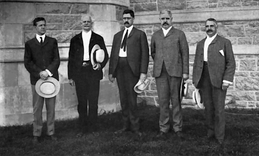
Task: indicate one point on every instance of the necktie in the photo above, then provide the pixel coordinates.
(124, 41)
(41, 40)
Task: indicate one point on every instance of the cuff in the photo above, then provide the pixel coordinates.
(49, 73)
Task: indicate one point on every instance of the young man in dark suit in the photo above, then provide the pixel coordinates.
(213, 72)
(170, 52)
(83, 75)
(128, 64)
(41, 59)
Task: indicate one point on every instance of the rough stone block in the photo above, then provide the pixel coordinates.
(145, 7)
(80, 9)
(53, 8)
(2, 38)
(254, 74)
(247, 83)
(172, 5)
(247, 65)
(194, 37)
(229, 3)
(245, 40)
(103, 13)
(241, 74)
(190, 27)
(72, 23)
(197, 4)
(256, 40)
(11, 12)
(251, 31)
(62, 36)
(53, 18)
(13, 34)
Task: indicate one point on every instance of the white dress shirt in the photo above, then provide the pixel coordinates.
(123, 53)
(206, 46)
(39, 36)
(86, 40)
(165, 31)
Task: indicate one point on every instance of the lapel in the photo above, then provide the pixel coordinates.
(171, 31)
(132, 32)
(45, 41)
(91, 43)
(215, 40)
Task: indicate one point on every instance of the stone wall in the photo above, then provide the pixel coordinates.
(238, 21)
(62, 18)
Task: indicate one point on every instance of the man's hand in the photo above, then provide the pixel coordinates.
(111, 78)
(44, 75)
(71, 82)
(185, 77)
(225, 86)
(142, 77)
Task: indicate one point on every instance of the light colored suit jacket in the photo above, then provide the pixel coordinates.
(172, 50)
(137, 52)
(221, 61)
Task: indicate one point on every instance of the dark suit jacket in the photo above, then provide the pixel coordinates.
(137, 52)
(76, 55)
(171, 49)
(39, 57)
(220, 67)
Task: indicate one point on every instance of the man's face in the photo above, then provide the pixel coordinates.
(86, 23)
(211, 28)
(40, 27)
(127, 20)
(166, 20)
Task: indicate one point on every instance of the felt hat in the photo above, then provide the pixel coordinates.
(47, 88)
(197, 99)
(141, 86)
(97, 55)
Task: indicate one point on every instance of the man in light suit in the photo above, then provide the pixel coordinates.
(213, 72)
(41, 59)
(170, 52)
(128, 64)
(83, 75)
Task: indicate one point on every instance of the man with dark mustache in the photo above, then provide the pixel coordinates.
(129, 64)
(213, 73)
(170, 52)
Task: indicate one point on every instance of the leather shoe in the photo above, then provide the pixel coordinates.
(35, 140)
(53, 138)
(121, 131)
(161, 135)
(180, 135)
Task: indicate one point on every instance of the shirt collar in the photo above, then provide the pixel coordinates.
(39, 36)
(129, 29)
(211, 38)
(165, 31)
(84, 33)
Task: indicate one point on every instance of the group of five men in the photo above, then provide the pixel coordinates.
(213, 72)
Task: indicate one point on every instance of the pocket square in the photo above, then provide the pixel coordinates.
(221, 52)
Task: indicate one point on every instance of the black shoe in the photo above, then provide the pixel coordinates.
(53, 138)
(121, 131)
(180, 135)
(36, 140)
(161, 135)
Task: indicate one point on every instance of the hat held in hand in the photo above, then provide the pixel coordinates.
(97, 55)
(141, 86)
(47, 88)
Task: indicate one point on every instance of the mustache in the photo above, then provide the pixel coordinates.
(165, 23)
(126, 22)
(209, 30)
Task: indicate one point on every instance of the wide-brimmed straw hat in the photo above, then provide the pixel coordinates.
(47, 88)
(141, 86)
(197, 99)
(97, 55)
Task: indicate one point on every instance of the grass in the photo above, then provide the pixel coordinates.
(242, 138)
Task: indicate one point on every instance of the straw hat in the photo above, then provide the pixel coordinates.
(47, 88)
(97, 55)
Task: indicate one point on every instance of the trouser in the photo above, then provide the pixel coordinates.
(214, 102)
(38, 102)
(128, 97)
(168, 89)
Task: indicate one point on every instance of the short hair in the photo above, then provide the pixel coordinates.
(37, 19)
(128, 11)
(166, 11)
(212, 19)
